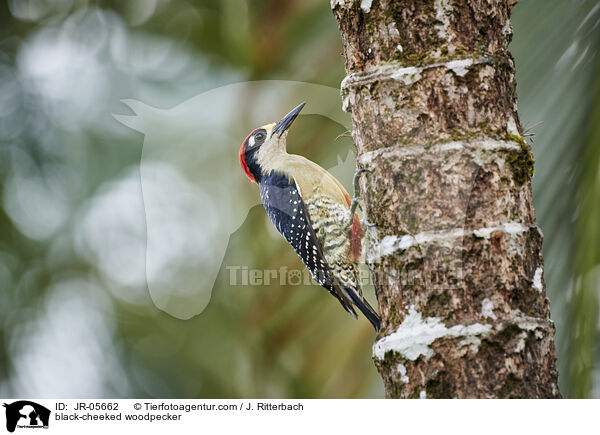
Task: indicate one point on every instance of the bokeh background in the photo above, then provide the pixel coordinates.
(77, 317)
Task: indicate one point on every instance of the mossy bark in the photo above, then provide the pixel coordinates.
(456, 253)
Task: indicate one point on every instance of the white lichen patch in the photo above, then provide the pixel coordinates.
(511, 127)
(389, 101)
(392, 243)
(402, 372)
(335, 3)
(365, 5)
(514, 228)
(442, 16)
(407, 75)
(471, 341)
(527, 323)
(487, 309)
(415, 335)
(521, 343)
(388, 245)
(423, 394)
(507, 28)
(460, 67)
(485, 143)
(537, 279)
(491, 144)
(511, 228)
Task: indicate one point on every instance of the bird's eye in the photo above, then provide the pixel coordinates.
(260, 137)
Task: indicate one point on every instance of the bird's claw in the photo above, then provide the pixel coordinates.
(368, 224)
(356, 179)
(356, 198)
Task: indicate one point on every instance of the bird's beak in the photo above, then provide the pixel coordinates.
(287, 120)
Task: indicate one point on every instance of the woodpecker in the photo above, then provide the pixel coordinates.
(311, 210)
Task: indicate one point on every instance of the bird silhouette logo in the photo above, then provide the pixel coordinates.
(26, 414)
(194, 195)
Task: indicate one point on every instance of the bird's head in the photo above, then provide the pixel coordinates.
(265, 143)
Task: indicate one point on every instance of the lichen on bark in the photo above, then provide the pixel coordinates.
(455, 254)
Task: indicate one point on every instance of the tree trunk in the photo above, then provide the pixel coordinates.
(456, 253)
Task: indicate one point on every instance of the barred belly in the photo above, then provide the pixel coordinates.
(330, 222)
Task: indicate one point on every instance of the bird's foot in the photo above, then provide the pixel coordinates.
(356, 197)
(366, 224)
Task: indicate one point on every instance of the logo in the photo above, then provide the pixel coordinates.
(185, 210)
(26, 414)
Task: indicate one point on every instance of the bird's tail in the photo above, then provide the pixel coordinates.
(365, 308)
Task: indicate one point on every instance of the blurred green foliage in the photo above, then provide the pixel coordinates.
(73, 326)
(556, 51)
